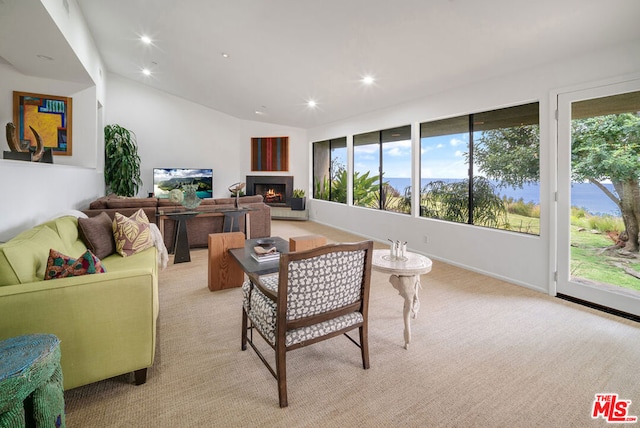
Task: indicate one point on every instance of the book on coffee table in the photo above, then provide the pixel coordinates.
(261, 254)
(266, 257)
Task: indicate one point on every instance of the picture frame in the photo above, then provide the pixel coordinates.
(49, 115)
(270, 154)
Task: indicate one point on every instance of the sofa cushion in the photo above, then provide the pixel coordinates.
(253, 199)
(24, 258)
(62, 266)
(99, 204)
(67, 229)
(164, 202)
(225, 201)
(132, 234)
(131, 202)
(97, 234)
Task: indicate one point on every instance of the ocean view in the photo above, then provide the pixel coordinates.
(583, 195)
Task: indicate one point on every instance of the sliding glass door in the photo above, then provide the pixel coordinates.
(599, 196)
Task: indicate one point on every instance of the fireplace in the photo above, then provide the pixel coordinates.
(277, 190)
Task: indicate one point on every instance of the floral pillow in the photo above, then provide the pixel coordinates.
(132, 234)
(61, 266)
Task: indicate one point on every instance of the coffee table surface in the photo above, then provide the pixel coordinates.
(250, 265)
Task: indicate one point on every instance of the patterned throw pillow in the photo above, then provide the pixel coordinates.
(132, 234)
(61, 266)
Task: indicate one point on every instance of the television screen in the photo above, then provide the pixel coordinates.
(167, 179)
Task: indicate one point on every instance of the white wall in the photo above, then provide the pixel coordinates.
(32, 193)
(176, 133)
(518, 258)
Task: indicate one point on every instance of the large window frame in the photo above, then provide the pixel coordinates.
(501, 159)
(370, 189)
(330, 170)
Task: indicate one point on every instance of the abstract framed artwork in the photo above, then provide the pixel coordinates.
(270, 154)
(49, 115)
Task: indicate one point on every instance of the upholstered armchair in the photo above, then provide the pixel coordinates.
(317, 294)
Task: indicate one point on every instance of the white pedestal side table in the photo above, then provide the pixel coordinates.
(405, 277)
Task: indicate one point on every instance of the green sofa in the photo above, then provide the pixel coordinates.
(106, 322)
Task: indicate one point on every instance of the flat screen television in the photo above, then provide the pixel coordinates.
(167, 179)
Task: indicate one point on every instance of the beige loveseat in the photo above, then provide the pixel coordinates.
(198, 227)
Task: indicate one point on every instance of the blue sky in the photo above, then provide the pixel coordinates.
(441, 157)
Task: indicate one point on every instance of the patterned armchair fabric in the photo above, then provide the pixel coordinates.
(318, 294)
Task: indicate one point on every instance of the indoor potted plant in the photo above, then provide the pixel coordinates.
(298, 201)
(121, 161)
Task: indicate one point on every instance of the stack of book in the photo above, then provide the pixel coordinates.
(265, 255)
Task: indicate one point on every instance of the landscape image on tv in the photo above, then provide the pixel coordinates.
(167, 179)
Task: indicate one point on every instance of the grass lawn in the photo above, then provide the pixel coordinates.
(589, 262)
(520, 223)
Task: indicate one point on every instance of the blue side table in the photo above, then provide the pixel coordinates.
(31, 391)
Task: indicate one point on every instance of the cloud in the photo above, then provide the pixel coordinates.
(455, 142)
(398, 148)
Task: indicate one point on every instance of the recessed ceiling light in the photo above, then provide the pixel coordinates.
(146, 40)
(368, 80)
(312, 103)
(224, 55)
(146, 72)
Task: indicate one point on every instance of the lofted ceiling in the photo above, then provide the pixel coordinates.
(282, 53)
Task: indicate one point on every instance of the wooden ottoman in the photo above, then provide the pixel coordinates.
(31, 392)
(306, 242)
(224, 272)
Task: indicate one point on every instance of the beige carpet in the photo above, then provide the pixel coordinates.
(484, 353)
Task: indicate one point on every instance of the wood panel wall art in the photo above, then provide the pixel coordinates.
(270, 154)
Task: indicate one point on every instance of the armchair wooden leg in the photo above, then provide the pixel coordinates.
(281, 369)
(364, 346)
(244, 330)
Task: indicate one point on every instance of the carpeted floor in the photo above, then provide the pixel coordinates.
(484, 353)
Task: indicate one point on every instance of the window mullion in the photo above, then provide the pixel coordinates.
(470, 169)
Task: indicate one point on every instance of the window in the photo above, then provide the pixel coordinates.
(330, 170)
(483, 169)
(382, 169)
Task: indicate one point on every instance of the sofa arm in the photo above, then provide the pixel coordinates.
(106, 322)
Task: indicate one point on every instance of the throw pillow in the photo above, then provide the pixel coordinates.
(132, 234)
(97, 234)
(61, 266)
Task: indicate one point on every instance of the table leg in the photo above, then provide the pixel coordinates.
(407, 287)
(232, 221)
(181, 248)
